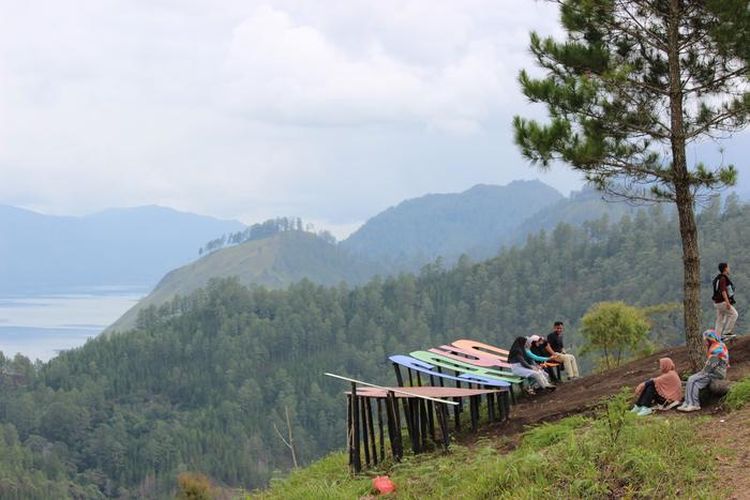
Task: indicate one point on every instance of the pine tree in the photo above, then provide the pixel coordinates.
(633, 84)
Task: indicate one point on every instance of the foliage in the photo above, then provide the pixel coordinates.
(631, 86)
(193, 486)
(739, 394)
(613, 328)
(573, 458)
(200, 384)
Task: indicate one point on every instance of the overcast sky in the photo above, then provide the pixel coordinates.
(331, 110)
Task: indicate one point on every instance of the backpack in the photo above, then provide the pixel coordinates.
(717, 296)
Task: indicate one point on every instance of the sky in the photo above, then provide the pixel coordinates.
(329, 110)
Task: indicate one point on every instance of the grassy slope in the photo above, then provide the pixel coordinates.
(661, 457)
(273, 262)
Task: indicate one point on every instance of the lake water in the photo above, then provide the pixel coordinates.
(40, 326)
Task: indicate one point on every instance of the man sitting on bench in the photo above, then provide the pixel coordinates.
(556, 350)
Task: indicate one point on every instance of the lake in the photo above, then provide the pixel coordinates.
(40, 326)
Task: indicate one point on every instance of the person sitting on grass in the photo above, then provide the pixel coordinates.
(666, 390)
(714, 369)
(521, 366)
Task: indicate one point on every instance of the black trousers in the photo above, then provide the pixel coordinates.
(649, 396)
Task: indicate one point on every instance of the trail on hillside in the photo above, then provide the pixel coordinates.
(585, 394)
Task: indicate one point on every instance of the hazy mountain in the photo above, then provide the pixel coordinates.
(274, 262)
(478, 222)
(579, 207)
(129, 246)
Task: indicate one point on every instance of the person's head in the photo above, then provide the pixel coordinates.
(724, 268)
(666, 365)
(710, 337)
(519, 343)
(558, 327)
(532, 340)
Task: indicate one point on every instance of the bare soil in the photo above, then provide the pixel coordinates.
(584, 395)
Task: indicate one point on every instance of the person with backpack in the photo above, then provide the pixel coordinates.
(723, 297)
(714, 369)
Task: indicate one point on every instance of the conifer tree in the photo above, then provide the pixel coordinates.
(634, 83)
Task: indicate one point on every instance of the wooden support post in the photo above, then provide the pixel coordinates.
(380, 428)
(350, 430)
(457, 414)
(414, 419)
(431, 420)
(491, 407)
(423, 422)
(391, 421)
(506, 403)
(446, 436)
(399, 378)
(357, 462)
(396, 443)
(440, 379)
(473, 410)
(371, 425)
(365, 430)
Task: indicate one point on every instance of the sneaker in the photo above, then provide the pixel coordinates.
(551, 388)
(669, 406)
(645, 411)
(727, 337)
(688, 408)
(635, 409)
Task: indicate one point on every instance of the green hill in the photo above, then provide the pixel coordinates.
(274, 262)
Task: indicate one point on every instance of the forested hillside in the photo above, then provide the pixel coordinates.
(200, 383)
(477, 221)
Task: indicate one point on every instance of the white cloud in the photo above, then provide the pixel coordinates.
(328, 110)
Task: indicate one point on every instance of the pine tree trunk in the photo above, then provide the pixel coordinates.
(684, 198)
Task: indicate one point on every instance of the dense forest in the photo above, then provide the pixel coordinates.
(200, 383)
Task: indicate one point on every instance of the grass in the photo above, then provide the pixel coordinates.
(613, 455)
(738, 395)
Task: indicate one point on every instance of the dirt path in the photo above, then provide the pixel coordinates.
(730, 434)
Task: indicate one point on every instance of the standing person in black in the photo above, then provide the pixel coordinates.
(726, 314)
(557, 352)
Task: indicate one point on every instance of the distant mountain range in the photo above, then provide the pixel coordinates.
(128, 246)
(477, 222)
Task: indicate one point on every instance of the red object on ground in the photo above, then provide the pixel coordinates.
(383, 485)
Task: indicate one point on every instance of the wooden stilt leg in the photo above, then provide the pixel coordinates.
(357, 462)
(380, 429)
(371, 425)
(365, 429)
(350, 431)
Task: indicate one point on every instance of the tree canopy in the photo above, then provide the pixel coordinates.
(633, 83)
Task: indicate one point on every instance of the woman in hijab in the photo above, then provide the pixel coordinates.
(715, 368)
(521, 366)
(666, 389)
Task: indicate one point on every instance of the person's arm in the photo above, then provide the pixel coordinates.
(723, 289)
(550, 351)
(540, 359)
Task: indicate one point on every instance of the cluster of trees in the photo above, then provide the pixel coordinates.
(263, 230)
(201, 382)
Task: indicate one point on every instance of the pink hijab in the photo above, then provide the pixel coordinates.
(668, 384)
